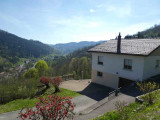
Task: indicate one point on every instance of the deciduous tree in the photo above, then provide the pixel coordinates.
(41, 66)
(31, 73)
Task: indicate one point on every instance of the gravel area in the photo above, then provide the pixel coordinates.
(75, 85)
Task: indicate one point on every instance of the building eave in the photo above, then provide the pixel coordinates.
(120, 53)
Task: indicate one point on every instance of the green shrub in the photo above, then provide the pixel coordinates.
(42, 67)
(19, 89)
(147, 89)
(113, 116)
(31, 73)
(122, 111)
(108, 116)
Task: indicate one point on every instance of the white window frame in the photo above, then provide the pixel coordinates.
(100, 60)
(128, 64)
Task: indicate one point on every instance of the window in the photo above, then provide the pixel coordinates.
(100, 74)
(128, 64)
(157, 63)
(100, 60)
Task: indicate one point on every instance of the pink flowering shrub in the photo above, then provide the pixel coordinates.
(50, 108)
(45, 80)
(56, 82)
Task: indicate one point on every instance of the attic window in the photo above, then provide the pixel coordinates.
(100, 60)
(128, 64)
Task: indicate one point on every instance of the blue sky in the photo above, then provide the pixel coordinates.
(62, 21)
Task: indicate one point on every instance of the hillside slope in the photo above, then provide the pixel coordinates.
(153, 32)
(12, 45)
(67, 48)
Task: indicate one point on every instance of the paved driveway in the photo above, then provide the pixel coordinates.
(127, 94)
(82, 102)
(91, 93)
(85, 87)
(96, 91)
(108, 106)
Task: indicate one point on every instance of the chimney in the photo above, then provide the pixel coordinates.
(119, 44)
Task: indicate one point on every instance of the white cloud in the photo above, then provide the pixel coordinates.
(120, 11)
(92, 10)
(99, 6)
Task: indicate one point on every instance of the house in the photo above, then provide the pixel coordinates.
(116, 63)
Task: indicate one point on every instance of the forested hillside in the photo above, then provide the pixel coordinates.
(13, 47)
(75, 63)
(67, 48)
(153, 32)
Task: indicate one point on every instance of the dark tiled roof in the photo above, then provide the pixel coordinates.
(132, 47)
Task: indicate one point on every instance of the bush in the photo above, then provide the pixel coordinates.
(31, 73)
(50, 108)
(18, 89)
(120, 107)
(45, 80)
(56, 82)
(150, 97)
(108, 116)
(113, 116)
(42, 67)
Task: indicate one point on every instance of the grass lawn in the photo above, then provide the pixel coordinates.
(135, 111)
(20, 103)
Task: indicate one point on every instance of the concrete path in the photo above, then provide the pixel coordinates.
(9, 116)
(82, 102)
(109, 106)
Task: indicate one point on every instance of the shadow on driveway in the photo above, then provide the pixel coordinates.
(134, 91)
(96, 91)
(131, 90)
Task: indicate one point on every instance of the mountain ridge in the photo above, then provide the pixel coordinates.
(13, 45)
(67, 48)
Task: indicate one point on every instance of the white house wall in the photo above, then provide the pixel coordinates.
(107, 79)
(150, 68)
(114, 64)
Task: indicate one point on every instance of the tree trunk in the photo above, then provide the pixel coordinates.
(47, 86)
(57, 89)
